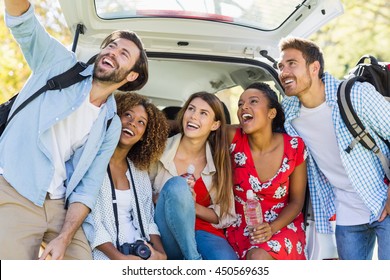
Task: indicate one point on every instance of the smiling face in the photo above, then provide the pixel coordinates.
(199, 119)
(115, 61)
(253, 111)
(134, 123)
(294, 73)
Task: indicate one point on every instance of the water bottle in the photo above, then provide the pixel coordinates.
(252, 211)
(189, 175)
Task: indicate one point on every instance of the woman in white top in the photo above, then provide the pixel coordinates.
(142, 141)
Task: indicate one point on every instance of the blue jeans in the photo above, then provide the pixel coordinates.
(357, 242)
(213, 247)
(175, 218)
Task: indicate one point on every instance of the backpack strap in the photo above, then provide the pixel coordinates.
(109, 123)
(61, 81)
(355, 126)
(372, 59)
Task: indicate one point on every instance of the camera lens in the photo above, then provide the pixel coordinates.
(142, 251)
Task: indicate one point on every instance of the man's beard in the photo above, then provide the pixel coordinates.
(306, 83)
(114, 76)
(303, 85)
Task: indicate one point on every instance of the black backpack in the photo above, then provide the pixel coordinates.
(377, 74)
(61, 81)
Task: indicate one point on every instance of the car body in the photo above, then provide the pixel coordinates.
(214, 45)
(218, 46)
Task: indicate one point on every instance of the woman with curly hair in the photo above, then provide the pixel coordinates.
(192, 215)
(115, 224)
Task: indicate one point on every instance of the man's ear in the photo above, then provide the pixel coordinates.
(315, 67)
(215, 125)
(132, 76)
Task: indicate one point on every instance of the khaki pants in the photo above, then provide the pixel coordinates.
(24, 226)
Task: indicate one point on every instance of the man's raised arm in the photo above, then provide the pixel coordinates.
(16, 7)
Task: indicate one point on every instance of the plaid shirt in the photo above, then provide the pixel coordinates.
(361, 165)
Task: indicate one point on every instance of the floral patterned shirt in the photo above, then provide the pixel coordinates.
(273, 194)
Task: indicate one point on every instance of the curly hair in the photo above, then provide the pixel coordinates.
(149, 150)
(219, 144)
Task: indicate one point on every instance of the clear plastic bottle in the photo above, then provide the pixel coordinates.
(252, 211)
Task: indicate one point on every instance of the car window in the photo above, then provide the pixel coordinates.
(259, 14)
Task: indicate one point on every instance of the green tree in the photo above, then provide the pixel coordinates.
(364, 28)
(14, 70)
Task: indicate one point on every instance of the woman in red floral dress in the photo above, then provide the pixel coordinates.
(272, 164)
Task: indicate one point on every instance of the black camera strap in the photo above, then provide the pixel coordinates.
(136, 201)
(115, 207)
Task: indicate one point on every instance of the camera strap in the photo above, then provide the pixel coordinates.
(115, 207)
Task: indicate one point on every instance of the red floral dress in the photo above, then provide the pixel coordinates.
(290, 241)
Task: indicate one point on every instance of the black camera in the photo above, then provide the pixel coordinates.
(138, 248)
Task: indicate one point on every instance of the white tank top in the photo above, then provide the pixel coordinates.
(127, 231)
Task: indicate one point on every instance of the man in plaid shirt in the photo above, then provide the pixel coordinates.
(351, 185)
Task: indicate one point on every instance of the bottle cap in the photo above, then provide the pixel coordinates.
(191, 169)
(250, 194)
